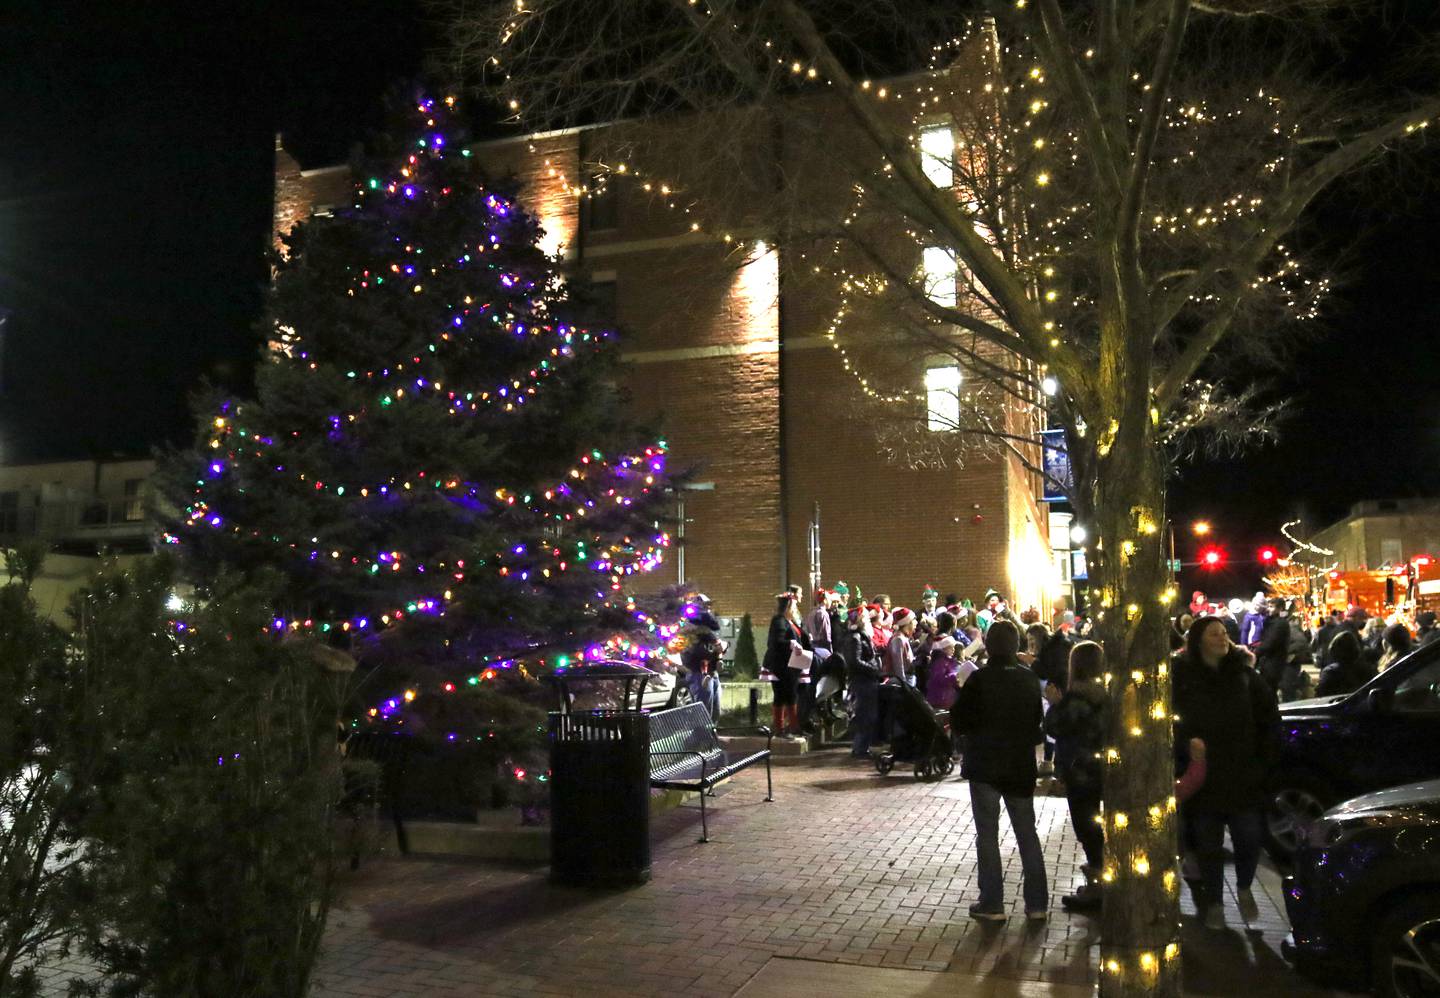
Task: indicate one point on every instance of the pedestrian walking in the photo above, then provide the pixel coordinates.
(1272, 647)
(785, 635)
(1076, 721)
(998, 711)
(1219, 699)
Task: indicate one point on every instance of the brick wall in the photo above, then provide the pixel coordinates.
(775, 429)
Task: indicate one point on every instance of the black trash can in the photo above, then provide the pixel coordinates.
(600, 798)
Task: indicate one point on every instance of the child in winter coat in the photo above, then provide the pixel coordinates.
(1077, 721)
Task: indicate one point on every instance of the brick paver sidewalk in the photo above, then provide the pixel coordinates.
(846, 867)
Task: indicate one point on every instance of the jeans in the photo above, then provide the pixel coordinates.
(710, 697)
(867, 703)
(1207, 832)
(985, 801)
(1084, 801)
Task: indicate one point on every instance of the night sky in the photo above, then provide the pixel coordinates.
(135, 185)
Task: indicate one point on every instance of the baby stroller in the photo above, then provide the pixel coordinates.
(922, 736)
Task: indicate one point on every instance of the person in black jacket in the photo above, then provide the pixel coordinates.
(785, 634)
(1220, 699)
(1051, 666)
(862, 675)
(998, 711)
(1349, 669)
(1272, 651)
(1320, 647)
(1077, 721)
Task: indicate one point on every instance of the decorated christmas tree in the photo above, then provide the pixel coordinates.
(436, 456)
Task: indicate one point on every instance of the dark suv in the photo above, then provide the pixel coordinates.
(1364, 898)
(1384, 734)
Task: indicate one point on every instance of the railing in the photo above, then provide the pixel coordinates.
(94, 519)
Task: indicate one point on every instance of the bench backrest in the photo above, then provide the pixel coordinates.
(684, 729)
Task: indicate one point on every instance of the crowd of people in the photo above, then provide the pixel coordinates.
(1345, 647)
(1027, 700)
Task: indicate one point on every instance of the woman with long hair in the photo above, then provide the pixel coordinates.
(785, 635)
(1220, 699)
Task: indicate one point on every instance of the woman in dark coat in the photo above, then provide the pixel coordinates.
(1220, 699)
(863, 677)
(785, 634)
(1349, 669)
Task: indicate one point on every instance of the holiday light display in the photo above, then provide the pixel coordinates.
(1117, 203)
(434, 453)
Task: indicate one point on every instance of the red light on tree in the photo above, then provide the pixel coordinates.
(1267, 555)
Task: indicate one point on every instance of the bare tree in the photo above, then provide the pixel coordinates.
(1085, 211)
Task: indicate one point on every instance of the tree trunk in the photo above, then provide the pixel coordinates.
(1139, 950)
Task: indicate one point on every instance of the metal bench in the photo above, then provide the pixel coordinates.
(685, 754)
(392, 753)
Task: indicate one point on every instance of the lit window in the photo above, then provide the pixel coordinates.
(937, 155)
(941, 271)
(942, 397)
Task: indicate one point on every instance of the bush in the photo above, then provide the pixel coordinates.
(747, 663)
(208, 750)
(38, 868)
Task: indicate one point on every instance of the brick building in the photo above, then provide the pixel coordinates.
(726, 343)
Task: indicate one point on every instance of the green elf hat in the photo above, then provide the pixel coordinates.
(841, 589)
(930, 592)
(991, 592)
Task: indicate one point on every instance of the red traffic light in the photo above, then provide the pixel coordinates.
(1267, 555)
(1212, 557)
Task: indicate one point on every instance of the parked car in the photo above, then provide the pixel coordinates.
(1384, 734)
(1364, 896)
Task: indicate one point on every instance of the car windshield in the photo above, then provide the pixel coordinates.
(1422, 660)
(1420, 691)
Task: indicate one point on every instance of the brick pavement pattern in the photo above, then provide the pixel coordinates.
(845, 867)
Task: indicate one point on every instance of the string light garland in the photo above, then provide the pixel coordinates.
(488, 297)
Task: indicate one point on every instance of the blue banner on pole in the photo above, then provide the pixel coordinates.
(1059, 480)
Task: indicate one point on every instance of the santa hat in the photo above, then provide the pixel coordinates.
(857, 616)
(901, 616)
(944, 644)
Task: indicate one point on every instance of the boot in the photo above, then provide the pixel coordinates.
(792, 716)
(777, 723)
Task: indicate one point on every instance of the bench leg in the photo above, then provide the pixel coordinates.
(704, 827)
(769, 785)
